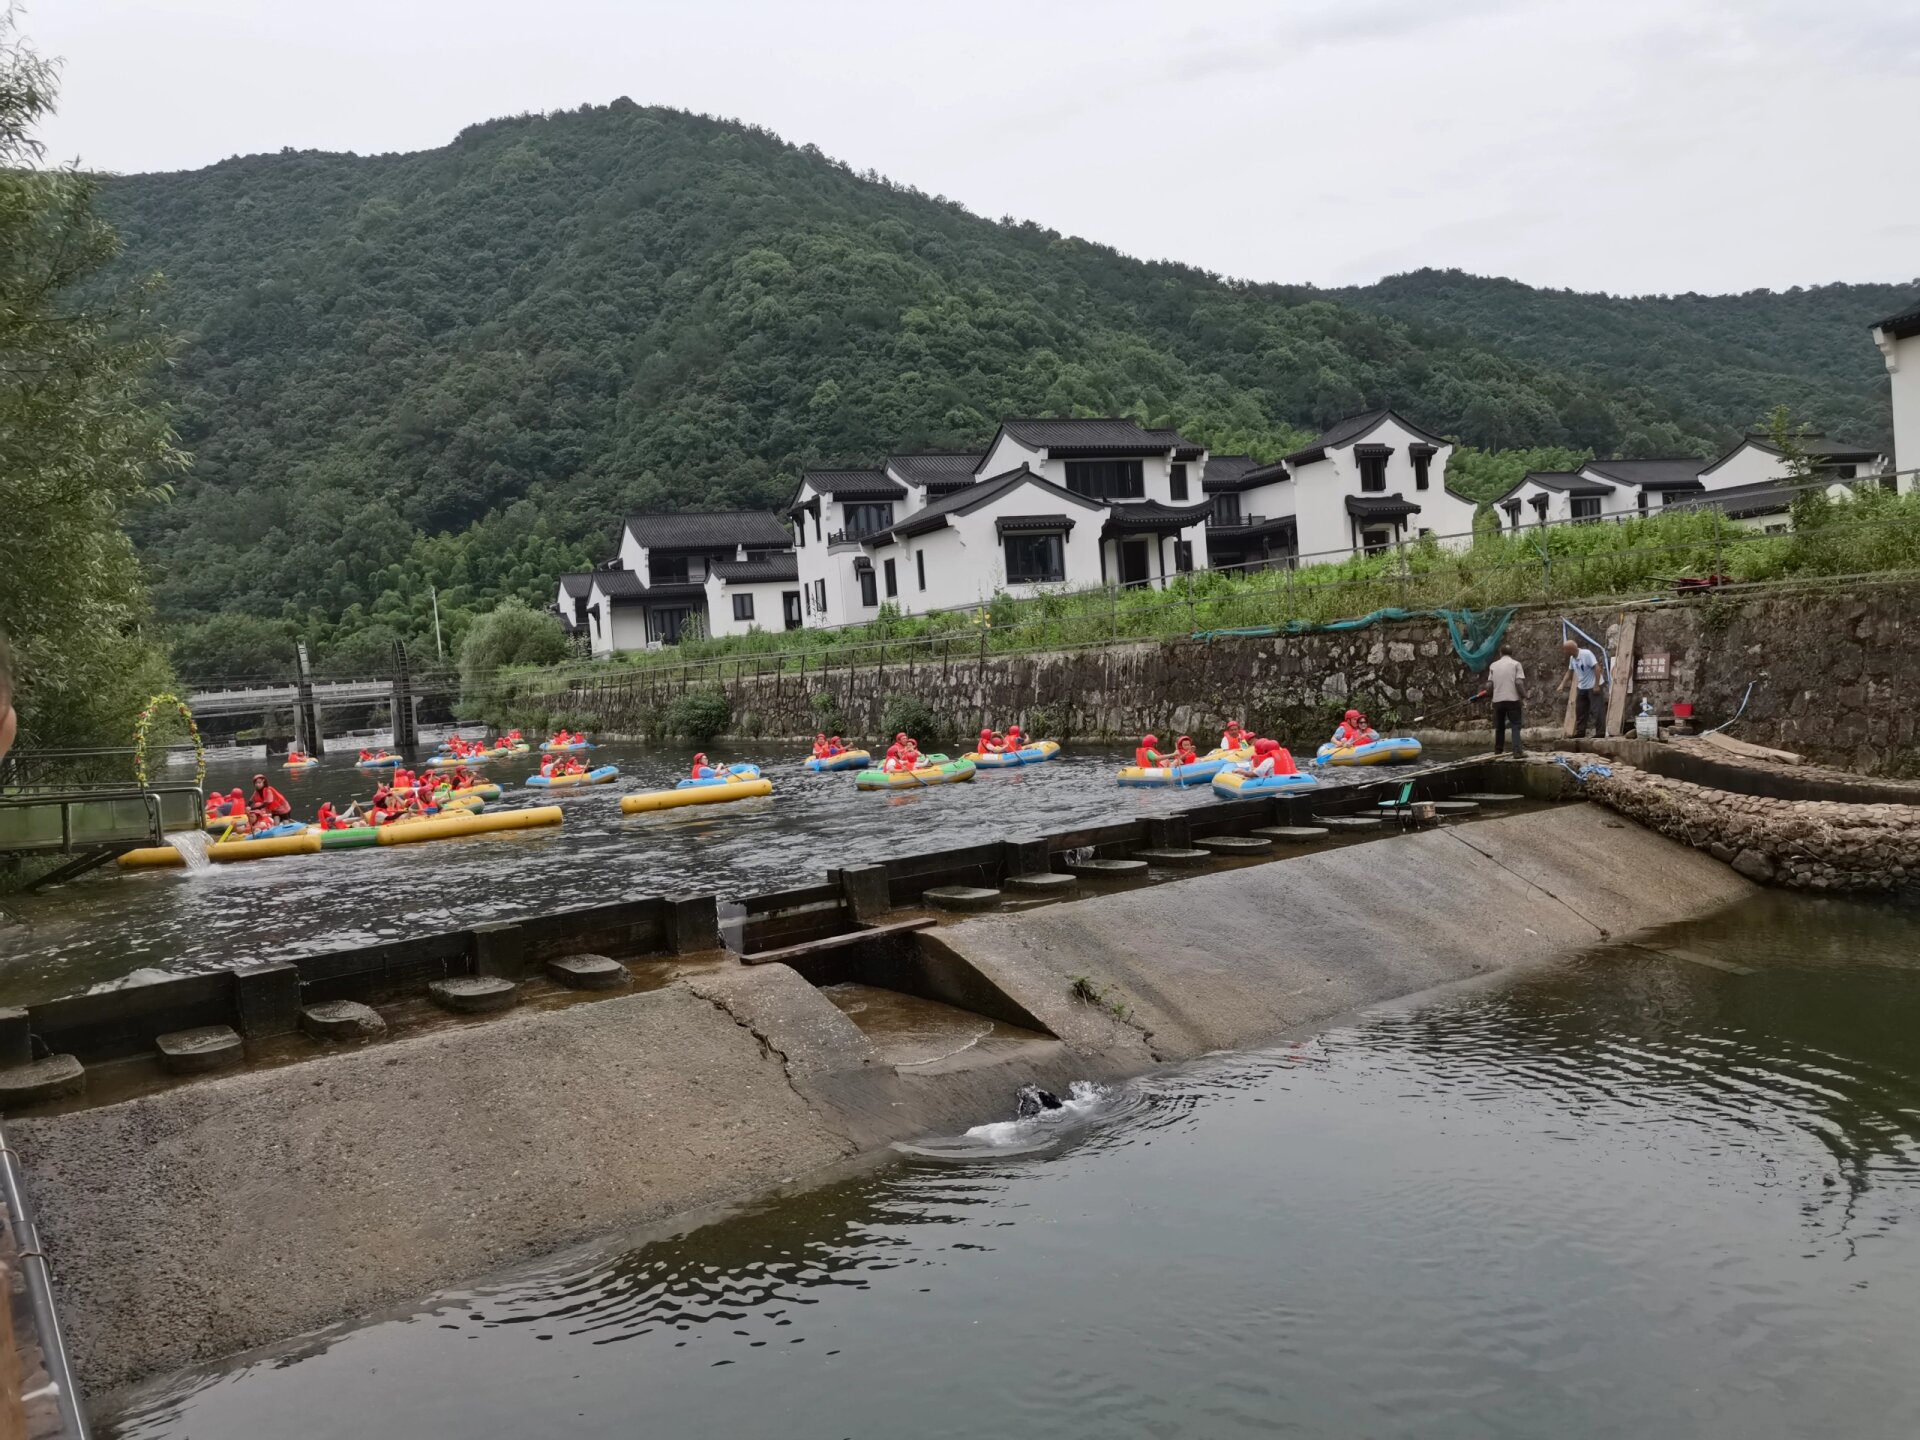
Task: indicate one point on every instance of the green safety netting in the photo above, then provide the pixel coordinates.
(1476, 634)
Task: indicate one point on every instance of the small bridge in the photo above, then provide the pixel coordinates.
(245, 699)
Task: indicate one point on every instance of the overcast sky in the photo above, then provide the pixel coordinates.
(1625, 145)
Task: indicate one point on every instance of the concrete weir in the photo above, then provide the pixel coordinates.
(253, 1205)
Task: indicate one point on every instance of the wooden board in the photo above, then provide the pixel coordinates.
(1622, 676)
(1752, 752)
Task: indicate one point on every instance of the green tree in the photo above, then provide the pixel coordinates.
(508, 634)
(233, 647)
(79, 441)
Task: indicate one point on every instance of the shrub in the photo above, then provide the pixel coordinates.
(826, 713)
(913, 715)
(700, 715)
(509, 634)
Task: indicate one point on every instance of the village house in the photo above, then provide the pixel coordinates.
(1898, 337)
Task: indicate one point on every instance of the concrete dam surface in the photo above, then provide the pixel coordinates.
(195, 1222)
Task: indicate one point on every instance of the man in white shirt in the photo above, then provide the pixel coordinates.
(1504, 679)
(1590, 694)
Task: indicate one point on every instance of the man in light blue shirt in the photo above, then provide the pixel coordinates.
(1590, 691)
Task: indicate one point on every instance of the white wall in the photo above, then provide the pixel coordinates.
(633, 555)
(620, 627)
(1747, 465)
(1903, 376)
(967, 564)
(768, 610)
(1321, 489)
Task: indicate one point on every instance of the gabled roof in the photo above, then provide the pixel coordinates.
(1150, 517)
(1678, 473)
(1737, 502)
(1901, 325)
(1230, 473)
(707, 530)
(855, 484)
(933, 515)
(578, 583)
(1380, 507)
(773, 567)
(1357, 427)
(937, 474)
(618, 584)
(1834, 452)
(1105, 436)
(1567, 482)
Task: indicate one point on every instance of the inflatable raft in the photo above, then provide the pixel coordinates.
(305, 762)
(745, 787)
(379, 762)
(941, 771)
(1385, 751)
(454, 762)
(1238, 785)
(845, 760)
(1198, 773)
(729, 776)
(311, 842)
(549, 746)
(586, 777)
(1004, 759)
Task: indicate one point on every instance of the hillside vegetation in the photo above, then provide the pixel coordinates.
(458, 368)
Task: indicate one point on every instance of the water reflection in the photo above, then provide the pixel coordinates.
(1633, 1195)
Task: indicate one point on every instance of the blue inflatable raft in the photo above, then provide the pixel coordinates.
(845, 760)
(1238, 785)
(725, 777)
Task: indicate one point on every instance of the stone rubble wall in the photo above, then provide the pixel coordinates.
(1833, 674)
(1799, 844)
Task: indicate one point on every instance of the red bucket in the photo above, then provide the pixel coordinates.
(1683, 709)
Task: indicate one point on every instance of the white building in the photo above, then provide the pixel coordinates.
(1370, 481)
(1551, 497)
(659, 584)
(1898, 337)
(1645, 486)
(1251, 522)
(758, 594)
(1756, 461)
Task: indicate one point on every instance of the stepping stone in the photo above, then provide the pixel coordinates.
(1293, 834)
(1236, 844)
(1107, 869)
(341, 1020)
(589, 972)
(473, 994)
(205, 1047)
(1048, 884)
(1455, 807)
(1349, 822)
(46, 1079)
(1491, 797)
(964, 898)
(1184, 859)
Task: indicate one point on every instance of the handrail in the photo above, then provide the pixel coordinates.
(39, 1287)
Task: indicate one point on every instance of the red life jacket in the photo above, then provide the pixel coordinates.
(1146, 757)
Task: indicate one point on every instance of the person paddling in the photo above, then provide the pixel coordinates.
(1234, 737)
(1146, 755)
(1184, 753)
(702, 770)
(267, 801)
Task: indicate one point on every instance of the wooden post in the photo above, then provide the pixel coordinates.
(1622, 679)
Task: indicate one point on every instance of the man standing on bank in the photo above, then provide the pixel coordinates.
(1504, 679)
(1590, 694)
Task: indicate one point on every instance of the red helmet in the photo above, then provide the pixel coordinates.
(901, 736)
(699, 757)
(1265, 745)
(1184, 740)
(986, 734)
(1352, 715)
(1150, 740)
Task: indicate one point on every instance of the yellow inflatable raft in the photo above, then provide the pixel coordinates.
(651, 800)
(311, 842)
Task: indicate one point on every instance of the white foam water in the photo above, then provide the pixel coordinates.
(998, 1138)
(192, 845)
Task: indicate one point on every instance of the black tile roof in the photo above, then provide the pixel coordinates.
(1567, 482)
(1901, 325)
(933, 515)
(1678, 473)
(618, 584)
(708, 530)
(1737, 502)
(937, 474)
(1105, 436)
(1150, 517)
(1354, 427)
(1818, 447)
(1227, 474)
(773, 567)
(1380, 507)
(1233, 536)
(1018, 523)
(578, 583)
(855, 484)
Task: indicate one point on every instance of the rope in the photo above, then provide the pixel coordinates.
(1586, 773)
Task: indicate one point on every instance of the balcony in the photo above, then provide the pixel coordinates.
(853, 534)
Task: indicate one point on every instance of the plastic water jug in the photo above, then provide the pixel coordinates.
(1646, 724)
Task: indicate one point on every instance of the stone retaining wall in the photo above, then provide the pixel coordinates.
(1832, 674)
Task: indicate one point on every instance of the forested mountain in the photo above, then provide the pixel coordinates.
(460, 367)
(1722, 358)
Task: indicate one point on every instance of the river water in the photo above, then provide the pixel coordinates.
(108, 924)
(1630, 1195)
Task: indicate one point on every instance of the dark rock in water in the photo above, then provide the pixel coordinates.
(1031, 1100)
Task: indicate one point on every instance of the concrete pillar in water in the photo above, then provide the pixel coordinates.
(306, 716)
(406, 724)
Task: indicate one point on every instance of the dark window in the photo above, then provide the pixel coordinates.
(816, 528)
(1890, 483)
(869, 589)
(1421, 460)
(1845, 472)
(893, 581)
(667, 569)
(1106, 479)
(820, 596)
(1183, 556)
(1226, 509)
(1373, 472)
(865, 519)
(790, 602)
(1641, 500)
(806, 595)
(920, 564)
(743, 607)
(1586, 507)
(1037, 559)
(800, 534)
(1177, 481)
(1375, 541)
(1539, 503)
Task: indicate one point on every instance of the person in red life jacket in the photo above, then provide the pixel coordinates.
(294, 757)
(572, 766)
(701, 769)
(1234, 737)
(836, 746)
(820, 750)
(327, 819)
(1271, 758)
(1184, 753)
(1345, 732)
(899, 744)
(988, 743)
(1015, 740)
(1146, 756)
(266, 800)
(547, 762)
(1366, 734)
(910, 757)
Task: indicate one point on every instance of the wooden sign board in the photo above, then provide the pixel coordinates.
(1652, 667)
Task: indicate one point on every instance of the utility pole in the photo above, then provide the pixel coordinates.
(439, 650)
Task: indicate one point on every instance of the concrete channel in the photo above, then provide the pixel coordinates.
(192, 1215)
